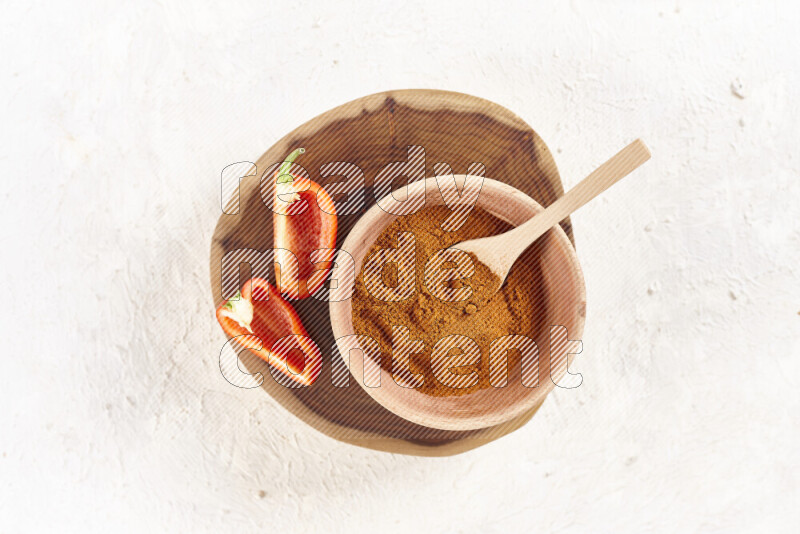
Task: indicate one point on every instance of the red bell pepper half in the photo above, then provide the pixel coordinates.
(262, 317)
(301, 232)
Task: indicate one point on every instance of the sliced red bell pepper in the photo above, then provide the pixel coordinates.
(260, 311)
(301, 233)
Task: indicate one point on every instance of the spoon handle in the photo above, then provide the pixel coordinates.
(606, 175)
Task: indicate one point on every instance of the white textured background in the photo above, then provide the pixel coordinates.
(116, 123)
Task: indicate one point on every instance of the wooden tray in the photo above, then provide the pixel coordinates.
(371, 132)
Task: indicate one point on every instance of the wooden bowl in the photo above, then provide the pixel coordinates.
(564, 301)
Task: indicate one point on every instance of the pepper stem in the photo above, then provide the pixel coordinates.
(283, 175)
(240, 310)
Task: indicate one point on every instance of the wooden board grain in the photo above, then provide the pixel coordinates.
(371, 132)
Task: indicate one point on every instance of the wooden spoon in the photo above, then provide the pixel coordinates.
(501, 251)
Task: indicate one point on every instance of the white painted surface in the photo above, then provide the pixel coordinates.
(117, 122)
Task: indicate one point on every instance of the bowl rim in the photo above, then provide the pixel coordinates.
(341, 311)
